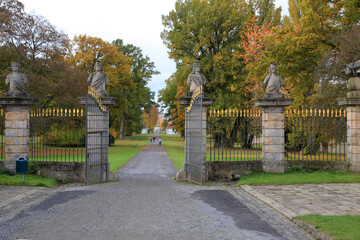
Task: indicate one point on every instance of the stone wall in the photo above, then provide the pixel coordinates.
(62, 171)
(229, 170)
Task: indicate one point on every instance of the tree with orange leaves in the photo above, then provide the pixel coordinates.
(250, 51)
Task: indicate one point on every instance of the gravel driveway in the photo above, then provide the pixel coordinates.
(147, 204)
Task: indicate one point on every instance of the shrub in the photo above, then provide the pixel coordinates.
(111, 139)
(32, 169)
(6, 172)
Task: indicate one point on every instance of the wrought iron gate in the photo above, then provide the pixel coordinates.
(195, 147)
(97, 137)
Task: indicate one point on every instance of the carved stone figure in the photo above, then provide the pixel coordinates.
(273, 82)
(98, 80)
(17, 82)
(353, 69)
(195, 78)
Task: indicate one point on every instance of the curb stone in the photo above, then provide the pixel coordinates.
(286, 212)
(311, 229)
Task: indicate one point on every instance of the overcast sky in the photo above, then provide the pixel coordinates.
(137, 22)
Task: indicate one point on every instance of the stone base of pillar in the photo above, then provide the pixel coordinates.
(353, 130)
(273, 131)
(17, 133)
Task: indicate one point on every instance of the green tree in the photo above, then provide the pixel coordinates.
(210, 31)
(138, 99)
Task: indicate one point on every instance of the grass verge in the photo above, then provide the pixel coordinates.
(175, 148)
(344, 227)
(316, 177)
(30, 180)
(124, 150)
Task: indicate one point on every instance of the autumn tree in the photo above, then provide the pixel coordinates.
(211, 31)
(309, 34)
(150, 119)
(140, 98)
(87, 51)
(39, 47)
(164, 124)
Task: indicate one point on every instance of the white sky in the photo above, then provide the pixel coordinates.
(137, 22)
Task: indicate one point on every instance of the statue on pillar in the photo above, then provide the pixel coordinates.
(195, 78)
(17, 82)
(353, 69)
(273, 82)
(98, 80)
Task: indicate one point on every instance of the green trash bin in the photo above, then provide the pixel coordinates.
(21, 166)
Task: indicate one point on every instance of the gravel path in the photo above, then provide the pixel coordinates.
(147, 204)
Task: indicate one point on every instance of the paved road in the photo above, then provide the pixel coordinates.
(147, 204)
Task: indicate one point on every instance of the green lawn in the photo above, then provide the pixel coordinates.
(30, 180)
(316, 177)
(124, 150)
(175, 147)
(346, 227)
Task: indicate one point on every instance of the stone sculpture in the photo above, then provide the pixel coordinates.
(195, 78)
(17, 82)
(273, 82)
(98, 80)
(353, 69)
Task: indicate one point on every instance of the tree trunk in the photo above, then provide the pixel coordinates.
(122, 128)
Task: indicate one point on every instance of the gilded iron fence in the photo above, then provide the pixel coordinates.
(57, 135)
(315, 134)
(234, 135)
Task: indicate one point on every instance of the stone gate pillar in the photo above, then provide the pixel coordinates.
(273, 131)
(193, 155)
(97, 167)
(17, 128)
(352, 104)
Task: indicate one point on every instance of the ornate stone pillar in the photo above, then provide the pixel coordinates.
(17, 128)
(273, 131)
(352, 104)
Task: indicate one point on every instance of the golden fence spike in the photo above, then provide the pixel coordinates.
(328, 113)
(332, 113)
